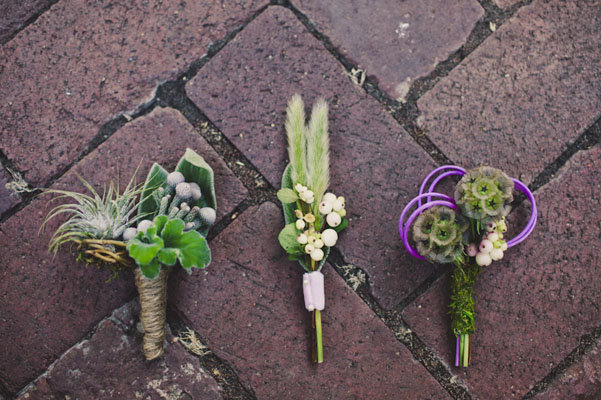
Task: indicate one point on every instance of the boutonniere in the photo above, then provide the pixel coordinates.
(313, 217)
(148, 228)
(466, 230)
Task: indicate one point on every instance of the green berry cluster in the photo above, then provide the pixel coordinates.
(439, 234)
(484, 194)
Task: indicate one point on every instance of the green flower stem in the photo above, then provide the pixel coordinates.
(462, 306)
(318, 341)
(464, 350)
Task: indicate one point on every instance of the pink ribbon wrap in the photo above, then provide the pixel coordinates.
(313, 291)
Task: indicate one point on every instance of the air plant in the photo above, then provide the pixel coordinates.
(313, 217)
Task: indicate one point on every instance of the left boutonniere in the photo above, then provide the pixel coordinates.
(313, 217)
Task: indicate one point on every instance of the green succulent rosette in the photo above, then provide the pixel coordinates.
(439, 235)
(484, 194)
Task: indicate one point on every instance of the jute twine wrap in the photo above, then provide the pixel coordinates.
(153, 301)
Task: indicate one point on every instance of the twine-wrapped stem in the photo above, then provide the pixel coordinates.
(153, 302)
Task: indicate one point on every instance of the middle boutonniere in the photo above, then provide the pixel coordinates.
(313, 217)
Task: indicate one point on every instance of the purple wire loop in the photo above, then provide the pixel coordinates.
(434, 172)
(533, 215)
(413, 216)
(449, 202)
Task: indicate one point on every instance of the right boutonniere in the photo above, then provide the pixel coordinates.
(313, 217)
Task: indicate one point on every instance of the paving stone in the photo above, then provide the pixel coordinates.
(15, 13)
(248, 309)
(64, 299)
(580, 381)
(409, 39)
(534, 305)
(374, 162)
(526, 93)
(110, 365)
(7, 197)
(80, 64)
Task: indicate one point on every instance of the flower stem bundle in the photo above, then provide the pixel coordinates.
(149, 228)
(313, 217)
(467, 231)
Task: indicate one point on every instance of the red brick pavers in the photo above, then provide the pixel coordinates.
(395, 42)
(82, 63)
(15, 13)
(374, 162)
(581, 380)
(48, 304)
(525, 93)
(111, 365)
(248, 308)
(533, 306)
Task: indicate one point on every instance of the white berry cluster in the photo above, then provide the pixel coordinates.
(173, 201)
(304, 193)
(333, 208)
(492, 246)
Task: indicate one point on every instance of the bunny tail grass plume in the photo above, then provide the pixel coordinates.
(295, 126)
(318, 150)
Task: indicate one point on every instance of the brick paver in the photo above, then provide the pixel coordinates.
(522, 96)
(16, 12)
(110, 365)
(533, 306)
(49, 304)
(397, 42)
(506, 3)
(248, 308)
(374, 162)
(581, 380)
(7, 197)
(82, 63)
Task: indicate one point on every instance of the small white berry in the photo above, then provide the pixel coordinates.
(208, 215)
(325, 208)
(309, 249)
(486, 246)
(472, 250)
(144, 225)
(302, 238)
(196, 193)
(183, 190)
(342, 212)
(329, 237)
(300, 224)
(503, 246)
(311, 239)
(483, 259)
(174, 178)
(491, 226)
(496, 254)
(318, 243)
(329, 197)
(493, 236)
(337, 205)
(298, 213)
(129, 233)
(299, 188)
(333, 219)
(310, 218)
(317, 254)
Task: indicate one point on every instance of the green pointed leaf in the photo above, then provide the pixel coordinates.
(287, 195)
(288, 184)
(173, 232)
(156, 178)
(151, 270)
(195, 169)
(193, 250)
(167, 256)
(287, 238)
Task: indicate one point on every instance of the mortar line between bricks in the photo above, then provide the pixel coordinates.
(29, 21)
(118, 121)
(587, 342)
(220, 370)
